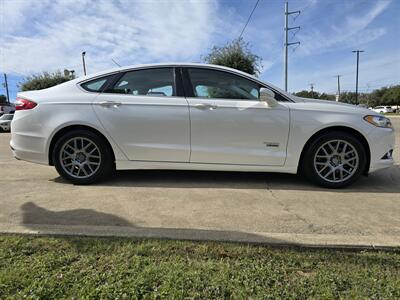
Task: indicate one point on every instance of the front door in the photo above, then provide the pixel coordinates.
(230, 125)
(146, 119)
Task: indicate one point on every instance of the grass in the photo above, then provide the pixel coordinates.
(119, 268)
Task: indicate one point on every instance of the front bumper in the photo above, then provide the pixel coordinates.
(381, 141)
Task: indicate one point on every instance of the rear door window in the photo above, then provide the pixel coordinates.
(158, 82)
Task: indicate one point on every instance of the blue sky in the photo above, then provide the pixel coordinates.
(47, 35)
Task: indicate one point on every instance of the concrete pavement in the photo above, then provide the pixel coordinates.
(223, 206)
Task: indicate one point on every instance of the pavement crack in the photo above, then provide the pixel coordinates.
(286, 208)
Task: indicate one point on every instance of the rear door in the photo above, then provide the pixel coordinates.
(229, 123)
(143, 114)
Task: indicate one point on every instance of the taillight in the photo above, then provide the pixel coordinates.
(24, 104)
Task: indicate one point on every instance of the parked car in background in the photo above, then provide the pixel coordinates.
(383, 109)
(5, 122)
(396, 108)
(7, 109)
(195, 117)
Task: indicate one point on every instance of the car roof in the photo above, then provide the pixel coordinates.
(171, 64)
(176, 64)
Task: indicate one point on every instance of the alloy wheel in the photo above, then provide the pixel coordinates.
(80, 157)
(336, 161)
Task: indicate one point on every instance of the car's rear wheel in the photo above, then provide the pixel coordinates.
(82, 157)
(335, 159)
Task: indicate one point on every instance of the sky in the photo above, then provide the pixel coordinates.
(49, 35)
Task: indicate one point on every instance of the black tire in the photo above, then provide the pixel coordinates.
(105, 166)
(310, 170)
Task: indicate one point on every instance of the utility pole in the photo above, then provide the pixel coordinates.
(358, 61)
(6, 86)
(312, 89)
(83, 62)
(287, 44)
(338, 87)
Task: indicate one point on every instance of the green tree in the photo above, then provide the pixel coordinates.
(325, 96)
(237, 55)
(315, 95)
(391, 96)
(350, 97)
(3, 99)
(307, 94)
(44, 80)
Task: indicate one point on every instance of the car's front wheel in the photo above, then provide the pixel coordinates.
(82, 157)
(335, 159)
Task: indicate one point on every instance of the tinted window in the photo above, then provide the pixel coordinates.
(150, 82)
(6, 117)
(217, 84)
(95, 85)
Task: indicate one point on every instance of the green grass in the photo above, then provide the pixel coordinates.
(117, 268)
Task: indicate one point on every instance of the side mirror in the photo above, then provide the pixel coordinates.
(268, 96)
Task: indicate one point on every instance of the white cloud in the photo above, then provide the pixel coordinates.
(358, 23)
(55, 33)
(354, 30)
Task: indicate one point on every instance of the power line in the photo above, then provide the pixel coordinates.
(248, 20)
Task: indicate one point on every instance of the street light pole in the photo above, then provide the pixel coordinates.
(338, 87)
(83, 62)
(358, 62)
(6, 86)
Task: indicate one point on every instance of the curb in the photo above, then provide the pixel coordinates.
(326, 241)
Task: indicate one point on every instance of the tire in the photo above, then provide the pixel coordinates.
(83, 157)
(334, 159)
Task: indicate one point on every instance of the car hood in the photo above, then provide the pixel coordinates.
(330, 106)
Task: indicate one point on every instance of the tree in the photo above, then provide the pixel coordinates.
(325, 96)
(3, 99)
(237, 55)
(44, 80)
(307, 94)
(382, 96)
(315, 95)
(391, 96)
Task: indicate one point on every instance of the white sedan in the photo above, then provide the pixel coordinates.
(383, 109)
(195, 117)
(5, 122)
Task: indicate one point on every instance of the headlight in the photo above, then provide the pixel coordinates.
(379, 121)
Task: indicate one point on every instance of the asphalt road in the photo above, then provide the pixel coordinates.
(224, 206)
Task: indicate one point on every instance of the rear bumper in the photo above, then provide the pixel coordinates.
(29, 148)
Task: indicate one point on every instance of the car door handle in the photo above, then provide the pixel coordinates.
(110, 103)
(204, 106)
